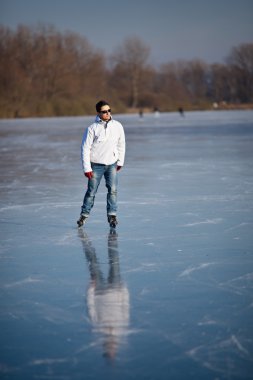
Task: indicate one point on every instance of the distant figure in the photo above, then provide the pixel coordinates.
(141, 113)
(156, 112)
(107, 299)
(16, 115)
(181, 111)
(102, 155)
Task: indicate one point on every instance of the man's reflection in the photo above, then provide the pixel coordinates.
(107, 299)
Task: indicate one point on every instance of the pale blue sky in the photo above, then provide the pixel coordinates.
(174, 29)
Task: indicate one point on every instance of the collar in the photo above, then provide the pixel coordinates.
(98, 120)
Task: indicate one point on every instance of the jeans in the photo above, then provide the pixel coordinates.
(111, 181)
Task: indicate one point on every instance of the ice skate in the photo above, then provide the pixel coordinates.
(81, 221)
(112, 220)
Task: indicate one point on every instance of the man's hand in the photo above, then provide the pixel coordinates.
(118, 167)
(88, 174)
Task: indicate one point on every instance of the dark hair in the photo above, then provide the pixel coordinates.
(100, 104)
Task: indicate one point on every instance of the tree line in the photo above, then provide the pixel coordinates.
(44, 72)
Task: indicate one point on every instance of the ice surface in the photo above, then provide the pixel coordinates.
(170, 295)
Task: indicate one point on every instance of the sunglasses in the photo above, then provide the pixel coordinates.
(106, 111)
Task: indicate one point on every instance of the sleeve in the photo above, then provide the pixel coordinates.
(121, 147)
(86, 149)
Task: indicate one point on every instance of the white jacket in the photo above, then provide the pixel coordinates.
(103, 143)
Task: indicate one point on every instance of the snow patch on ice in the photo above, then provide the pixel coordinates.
(207, 221)
(27, 280)
(188, 271)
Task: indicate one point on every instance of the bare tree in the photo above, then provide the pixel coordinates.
(240, 62)
(45, 72)
(183, 83)
(172, 85)
(221, 83)
(194, 77)
(130, 61)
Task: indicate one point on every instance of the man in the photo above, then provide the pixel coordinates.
(103, 153)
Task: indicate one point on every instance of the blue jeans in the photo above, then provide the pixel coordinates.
(111, 181)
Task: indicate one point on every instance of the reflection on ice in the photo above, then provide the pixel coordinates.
(107, 298)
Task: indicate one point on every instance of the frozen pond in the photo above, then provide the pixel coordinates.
(170, 295)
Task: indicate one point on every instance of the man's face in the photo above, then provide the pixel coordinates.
(105, 113)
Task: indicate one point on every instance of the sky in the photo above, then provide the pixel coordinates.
(173, 29)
